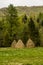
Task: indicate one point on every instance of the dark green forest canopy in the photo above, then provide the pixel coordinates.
(21, 23)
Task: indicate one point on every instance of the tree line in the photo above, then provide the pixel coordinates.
(14, 27)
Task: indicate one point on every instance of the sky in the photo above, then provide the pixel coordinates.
(5, 3)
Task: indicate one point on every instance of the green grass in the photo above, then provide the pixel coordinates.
(32, 56)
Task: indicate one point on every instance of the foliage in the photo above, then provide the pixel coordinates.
(15, 27)
(41, 36)
(12, 19)
(33, 32)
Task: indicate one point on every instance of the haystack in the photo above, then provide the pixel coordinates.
(30, 44)
(19, 44)
(13, 44)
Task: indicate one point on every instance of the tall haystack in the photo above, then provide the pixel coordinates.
(19, 44)
(13, 44)
(30, 44)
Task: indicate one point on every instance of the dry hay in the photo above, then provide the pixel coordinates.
(13, 44)
(30, 44)
(19, 44)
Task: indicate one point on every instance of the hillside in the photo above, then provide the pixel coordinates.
(24, 9)
(30, 10)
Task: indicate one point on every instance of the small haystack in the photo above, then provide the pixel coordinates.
(30, 44)
(19, 44)
(13, 44)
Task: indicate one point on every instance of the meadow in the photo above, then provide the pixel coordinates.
(26, 56)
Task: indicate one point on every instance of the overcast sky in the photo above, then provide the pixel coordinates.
(5, 3)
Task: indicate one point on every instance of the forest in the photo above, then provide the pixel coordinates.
(24, 27)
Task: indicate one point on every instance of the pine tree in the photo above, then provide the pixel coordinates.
(33, 32)
(24, 19)
(12, 18)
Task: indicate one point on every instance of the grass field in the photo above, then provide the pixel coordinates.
(10, 56)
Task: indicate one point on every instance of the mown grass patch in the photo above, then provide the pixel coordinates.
(11, 56)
